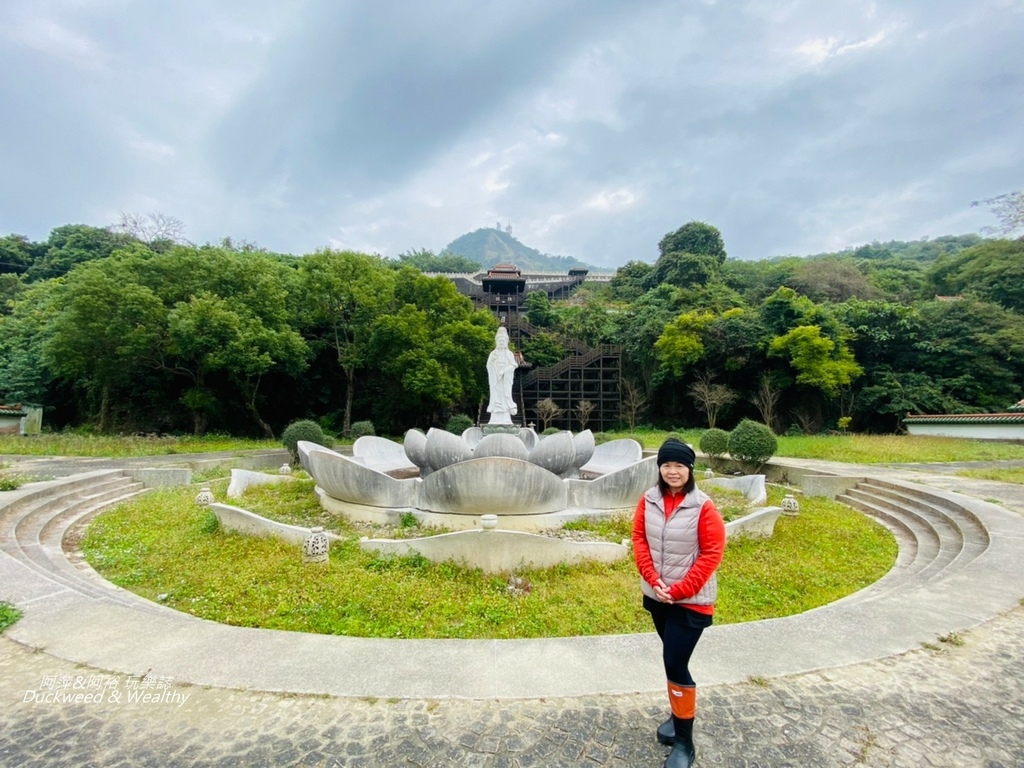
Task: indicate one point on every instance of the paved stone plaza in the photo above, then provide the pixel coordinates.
(955, 705)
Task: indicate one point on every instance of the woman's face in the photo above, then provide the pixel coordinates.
(675, 475)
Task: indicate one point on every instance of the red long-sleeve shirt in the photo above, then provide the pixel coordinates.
(711, 538)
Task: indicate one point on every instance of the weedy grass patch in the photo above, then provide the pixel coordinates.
(165, 548)
(8, 615)
(1009, 475)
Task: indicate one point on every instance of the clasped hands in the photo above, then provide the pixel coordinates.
(661, 592)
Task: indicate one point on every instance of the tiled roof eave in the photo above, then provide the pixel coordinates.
(966, 418)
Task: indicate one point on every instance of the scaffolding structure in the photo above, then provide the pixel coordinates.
(592, 374)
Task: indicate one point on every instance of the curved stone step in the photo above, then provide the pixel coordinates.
(910, 556)
(971, 525)
(940, 540)
(52, 555)
(925, 548)
(971, 534)
(31, 531)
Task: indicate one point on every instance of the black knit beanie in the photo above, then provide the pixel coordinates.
(673, 450)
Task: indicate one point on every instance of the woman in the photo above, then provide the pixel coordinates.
(678, 541)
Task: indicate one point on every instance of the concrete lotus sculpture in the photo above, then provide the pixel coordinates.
(530, 482)
(561, 453)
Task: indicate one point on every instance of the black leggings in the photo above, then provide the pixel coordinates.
(679, 629)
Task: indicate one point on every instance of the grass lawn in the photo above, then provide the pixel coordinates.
(865, 449)
(859, 449)
(117, 446)
(165, 548)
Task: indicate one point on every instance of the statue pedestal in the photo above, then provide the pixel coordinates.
(500, 429)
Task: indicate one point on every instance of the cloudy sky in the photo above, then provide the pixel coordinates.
(592, 126)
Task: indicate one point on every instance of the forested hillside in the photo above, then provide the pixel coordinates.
(488, 247)
(118, 332)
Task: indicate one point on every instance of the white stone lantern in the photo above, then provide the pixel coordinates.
(286, 469)
(709, 473)
(790, 505)
(316, 548)
(204, 498)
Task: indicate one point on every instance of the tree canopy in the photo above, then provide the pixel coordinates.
(129, 329)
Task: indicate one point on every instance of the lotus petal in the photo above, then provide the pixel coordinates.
(529, 438)
(444, 448)
(415, 446)
(620, 489)
(509, 446)
(614, 455)
(342, 478)
(381, 454)
(584, 445)
(304, 446)
(555, 453)
(472, 436)
(495, 486)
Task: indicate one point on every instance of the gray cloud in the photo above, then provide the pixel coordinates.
(595, 128)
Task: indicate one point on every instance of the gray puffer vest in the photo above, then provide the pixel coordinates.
(674, 543)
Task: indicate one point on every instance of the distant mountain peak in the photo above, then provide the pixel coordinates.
(494, 245)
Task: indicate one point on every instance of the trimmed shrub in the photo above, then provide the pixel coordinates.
(752, 444)
(458, 423)
(303, 429)
(714, 443)
(551, 431)
(601, 437)
(361, 429)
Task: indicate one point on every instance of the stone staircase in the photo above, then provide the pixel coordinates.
(33, 525)
(937, 536)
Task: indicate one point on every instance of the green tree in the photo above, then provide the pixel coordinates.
(344, 293)
(974, 351)
(446, 261)
(75, 244)
(818, 361)
(589, 322)
(431, 354)
(105, 329)
(543, 349)
(18, 253)
(24, 331)
(539, 310)
(697, 238)
(992, 271)
(638, 329)
(631, 281)
(681, 344)
(683, 270)
(833, 280)
(208, 334)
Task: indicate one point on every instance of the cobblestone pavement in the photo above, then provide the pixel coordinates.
(959, 703)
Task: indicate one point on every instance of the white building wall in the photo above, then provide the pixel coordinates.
(977, 431)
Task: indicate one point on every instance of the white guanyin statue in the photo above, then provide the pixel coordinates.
(501, 370)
